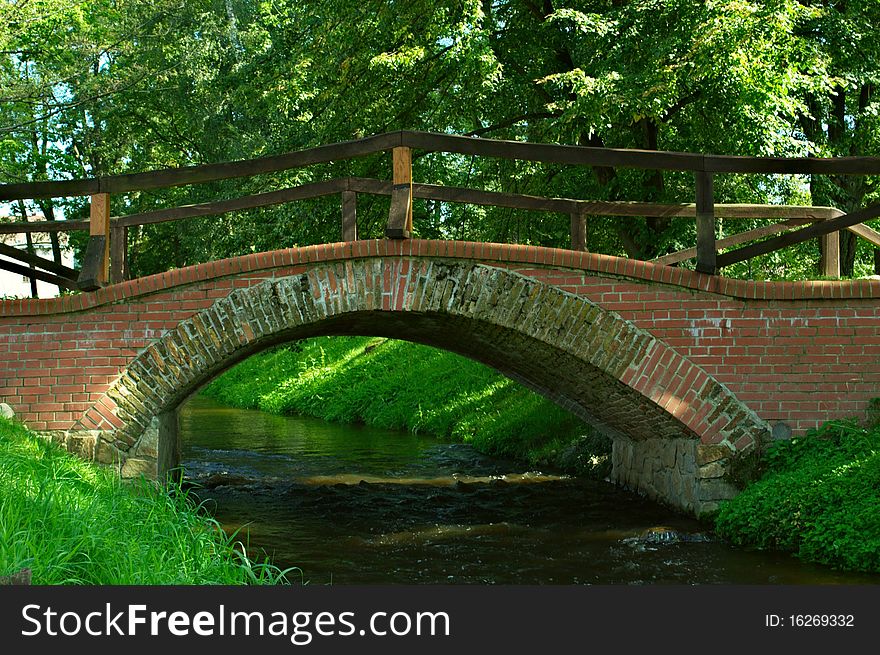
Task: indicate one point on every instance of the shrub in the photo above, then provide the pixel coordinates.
(819, 498)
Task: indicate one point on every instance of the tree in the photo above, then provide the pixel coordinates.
(840, 117)
(135, 85)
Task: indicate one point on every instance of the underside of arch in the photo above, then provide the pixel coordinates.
(673, 426)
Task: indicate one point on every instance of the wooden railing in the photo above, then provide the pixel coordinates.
(105, 257)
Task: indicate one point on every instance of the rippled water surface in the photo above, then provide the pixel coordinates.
(357, 505)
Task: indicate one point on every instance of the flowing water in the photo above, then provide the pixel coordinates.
(357, 505)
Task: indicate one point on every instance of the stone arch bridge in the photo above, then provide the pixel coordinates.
(684, 371)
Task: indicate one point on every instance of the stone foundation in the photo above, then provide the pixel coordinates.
(155, 454)
(683, 473)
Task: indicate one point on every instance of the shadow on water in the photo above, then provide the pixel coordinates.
(357, 505)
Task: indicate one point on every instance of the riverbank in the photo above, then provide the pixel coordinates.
(818, 496)
(404, 386)
(67, 521)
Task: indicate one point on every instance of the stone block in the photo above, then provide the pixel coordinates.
(664, 483)
(688, 493)
(106, 453)
(708, 453)
(124, 438)
(148, 444)
(668, 455)
(676, 484)
(135, 467)
(713, 470)
(687, 462)
(781, 432)
(716, 489)
(706, 507)
(82, 444)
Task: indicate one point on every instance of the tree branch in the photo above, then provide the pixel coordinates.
(678, 106)
(513, 121)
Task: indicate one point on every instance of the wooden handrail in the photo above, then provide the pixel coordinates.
(110, 233)
(35, 260)
(302, 192)
(433, 142)
(43, 226)
(435, 192)
(350, 186)
(173, 177)
(790, 238)
(631, 158)
(36, 273)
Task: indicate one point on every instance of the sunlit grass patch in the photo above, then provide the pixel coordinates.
(71, 522)
(406, 386)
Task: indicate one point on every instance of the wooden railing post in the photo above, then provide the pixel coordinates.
(400, 215)
(99, 225)
(96, 263)
(578, 230)
(349, 216)
(831, 254)
(118, 253)
(706, 249)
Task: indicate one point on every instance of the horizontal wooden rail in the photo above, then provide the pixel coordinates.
(350, 186)
(42, 226)
(440, 193)
(645, 159)
(173, 177)
(868, 234)
(591, 207)
(303, 192)
(518, 150)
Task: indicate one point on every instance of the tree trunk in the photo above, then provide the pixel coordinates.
(653, 186)
(30, 247)
(48, 209)
(848, 242)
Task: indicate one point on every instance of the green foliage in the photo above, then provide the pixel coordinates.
(72, 522)
(872, 415)
(405, 386)
(818, 499)
(100, 87)
(747, 468)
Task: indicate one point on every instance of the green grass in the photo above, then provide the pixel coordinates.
(405, 386)
(819, 497)
(72, 522)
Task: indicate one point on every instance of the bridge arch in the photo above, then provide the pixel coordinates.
(674, 427)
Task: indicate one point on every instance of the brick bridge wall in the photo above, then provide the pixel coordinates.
(683, 370)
